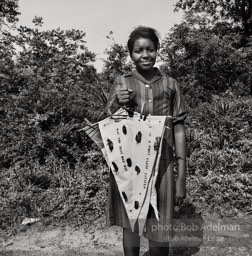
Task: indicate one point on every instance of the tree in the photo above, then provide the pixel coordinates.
(117, 61)
(47, 83)
(45, 95)
(204, 61)
(238, 12)
(8, 11)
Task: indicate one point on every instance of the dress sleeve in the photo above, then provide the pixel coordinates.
(179, 112)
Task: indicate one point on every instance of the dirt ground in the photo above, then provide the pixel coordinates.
(40, 240)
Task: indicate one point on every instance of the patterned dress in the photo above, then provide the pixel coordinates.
(160, 96)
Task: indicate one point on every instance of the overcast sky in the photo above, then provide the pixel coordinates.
(98, 17)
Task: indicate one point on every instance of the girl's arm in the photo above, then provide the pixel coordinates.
(180, 150)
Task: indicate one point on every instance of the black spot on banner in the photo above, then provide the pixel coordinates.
(136, 205)
(125, 196)
(137, 169)
(139, 137)
(115, 166)
(156, 143)
(124, 130)
(129, 162)
(110, 144)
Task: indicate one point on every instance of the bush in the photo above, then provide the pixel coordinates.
(219, 156)
(54, 191)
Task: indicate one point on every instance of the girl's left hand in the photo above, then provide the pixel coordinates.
(180, 191)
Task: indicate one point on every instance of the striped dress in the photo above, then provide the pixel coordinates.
(160, 96)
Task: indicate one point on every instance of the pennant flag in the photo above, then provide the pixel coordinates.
(133, 155)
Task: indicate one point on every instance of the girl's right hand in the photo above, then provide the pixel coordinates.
(123, 95)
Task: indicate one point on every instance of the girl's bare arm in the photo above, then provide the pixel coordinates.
(180, 150)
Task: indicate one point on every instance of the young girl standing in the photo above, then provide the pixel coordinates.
(151, 93)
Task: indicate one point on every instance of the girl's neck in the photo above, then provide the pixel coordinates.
(148, 75)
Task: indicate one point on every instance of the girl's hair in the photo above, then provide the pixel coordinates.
(143, 32)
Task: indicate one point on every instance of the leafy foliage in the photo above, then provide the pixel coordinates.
(205, 62)
(45, 97)
(48, 86)
(8, 11)
(52, 192)
(219, 156)
(238, 12)
(116, 62)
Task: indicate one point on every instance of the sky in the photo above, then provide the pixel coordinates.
(98, 17)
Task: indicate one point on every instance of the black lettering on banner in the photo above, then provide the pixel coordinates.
(145, 180)
(147, 163)
(120, 150)
(149, 150)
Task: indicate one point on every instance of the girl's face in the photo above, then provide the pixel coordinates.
(144, 54)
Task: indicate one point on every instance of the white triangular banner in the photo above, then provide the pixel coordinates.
(133, 158)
